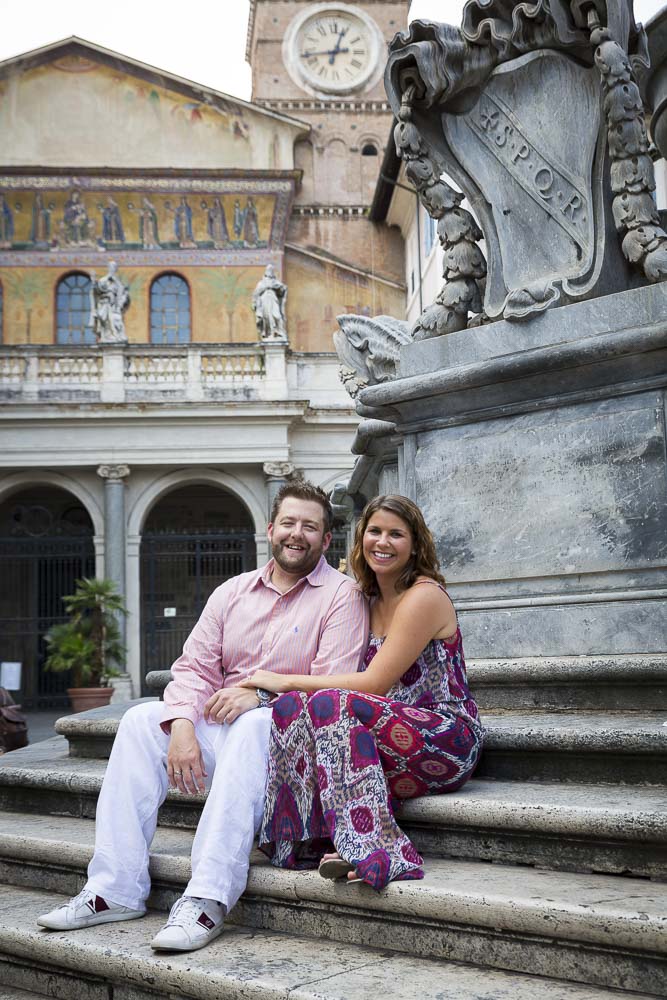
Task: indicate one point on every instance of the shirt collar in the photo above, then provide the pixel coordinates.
(315, 578)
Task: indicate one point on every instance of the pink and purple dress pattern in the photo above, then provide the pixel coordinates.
(340, 759)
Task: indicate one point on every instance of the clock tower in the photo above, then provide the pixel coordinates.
(323, 64)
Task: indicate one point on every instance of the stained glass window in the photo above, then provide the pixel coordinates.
(73, 310)
(170, 310)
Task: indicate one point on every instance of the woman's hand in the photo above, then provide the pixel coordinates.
(225, 706)
(185, 764)
(266, 679)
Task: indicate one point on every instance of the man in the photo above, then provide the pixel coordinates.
(295, 615)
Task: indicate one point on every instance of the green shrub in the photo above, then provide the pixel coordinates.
(89, 644)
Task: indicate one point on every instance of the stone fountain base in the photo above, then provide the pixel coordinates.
(538, 453)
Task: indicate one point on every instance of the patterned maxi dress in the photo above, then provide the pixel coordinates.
(339, 760)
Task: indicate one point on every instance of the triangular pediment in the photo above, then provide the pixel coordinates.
(77, 104)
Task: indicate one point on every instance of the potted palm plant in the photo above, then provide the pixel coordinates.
(89, 644)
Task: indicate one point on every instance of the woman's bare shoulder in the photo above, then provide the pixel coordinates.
(433, 596)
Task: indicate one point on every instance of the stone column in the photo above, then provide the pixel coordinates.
(114, 477)
(277, 474)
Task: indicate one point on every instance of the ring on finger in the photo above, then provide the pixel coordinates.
(178, 772)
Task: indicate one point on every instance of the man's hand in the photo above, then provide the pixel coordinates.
(185, 764)
(227, 704)
(266, 679)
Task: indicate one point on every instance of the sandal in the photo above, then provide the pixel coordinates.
(335, 868)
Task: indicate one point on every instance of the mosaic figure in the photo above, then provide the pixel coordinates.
(250, 224)
(268, 303)
(109, 298)
(217, 224)
(148, 226)
(40, 228)
(77, 227)
(112, 224)
(183, 223)
(6, 222)
(239, 216)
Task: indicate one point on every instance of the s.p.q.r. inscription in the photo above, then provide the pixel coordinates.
(497, 127)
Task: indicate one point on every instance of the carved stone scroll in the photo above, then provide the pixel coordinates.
(368, 349)
(509, 106)
(632, 178)
(458, 233)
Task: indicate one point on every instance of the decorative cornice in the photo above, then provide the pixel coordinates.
(335, 104)
(322, 210)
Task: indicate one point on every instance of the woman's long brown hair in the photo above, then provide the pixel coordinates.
(424, 561)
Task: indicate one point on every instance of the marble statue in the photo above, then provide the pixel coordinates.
(109, 299)
(268, 303)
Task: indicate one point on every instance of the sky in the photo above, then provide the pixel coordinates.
(203, 41)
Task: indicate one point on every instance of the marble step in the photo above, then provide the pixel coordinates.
(596, 747)
(9, 992)
(582, 827)
(587, 747)
(588, 683)
(115, 962)
(598, 929)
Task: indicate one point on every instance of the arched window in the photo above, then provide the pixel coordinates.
(369, 149)
(73, 310)
(170, 310)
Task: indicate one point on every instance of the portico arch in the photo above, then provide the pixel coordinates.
(46, 544)
(25, 480)
(152, 493)
(139, 506)
(194, 536)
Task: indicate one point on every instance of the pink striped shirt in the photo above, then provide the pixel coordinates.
(320, 626)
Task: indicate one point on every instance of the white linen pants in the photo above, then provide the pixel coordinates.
(136, 784)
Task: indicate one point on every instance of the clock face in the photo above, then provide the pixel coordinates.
(334, 48)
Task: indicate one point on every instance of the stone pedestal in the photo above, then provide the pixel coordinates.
(538, 456)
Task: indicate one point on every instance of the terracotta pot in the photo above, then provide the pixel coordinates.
(82, 699)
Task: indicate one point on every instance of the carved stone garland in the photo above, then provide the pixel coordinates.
(632, 177)
(464, 262)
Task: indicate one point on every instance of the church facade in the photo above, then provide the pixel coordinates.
(144, 440)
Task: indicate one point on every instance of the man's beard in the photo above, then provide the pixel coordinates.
(308, 560)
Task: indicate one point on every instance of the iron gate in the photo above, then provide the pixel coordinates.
(36, 574)
(178, 574)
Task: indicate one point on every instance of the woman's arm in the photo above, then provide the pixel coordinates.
(422, 613)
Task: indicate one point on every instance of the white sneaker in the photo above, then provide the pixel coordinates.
(85, 910)
(192, 923)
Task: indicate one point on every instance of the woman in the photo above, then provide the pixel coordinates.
(405, 726)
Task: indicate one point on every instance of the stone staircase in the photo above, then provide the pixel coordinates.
(545, 874)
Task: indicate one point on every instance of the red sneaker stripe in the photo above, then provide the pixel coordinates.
(206, 921)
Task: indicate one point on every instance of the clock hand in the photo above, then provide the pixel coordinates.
(326, 52)
(334, 52)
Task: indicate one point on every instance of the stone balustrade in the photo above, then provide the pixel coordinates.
(131, 372)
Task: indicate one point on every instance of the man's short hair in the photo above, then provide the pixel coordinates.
(301, 489)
